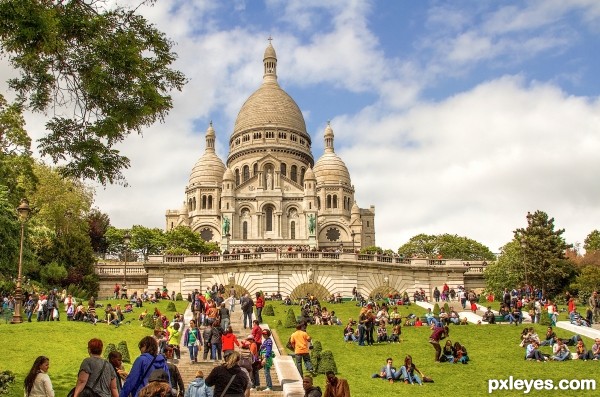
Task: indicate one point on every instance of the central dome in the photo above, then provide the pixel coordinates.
(270, 105)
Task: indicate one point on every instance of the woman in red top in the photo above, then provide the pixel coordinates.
(437, 335)
(229, 341)
(259, 303)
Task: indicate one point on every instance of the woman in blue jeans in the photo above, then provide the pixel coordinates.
(410, 372)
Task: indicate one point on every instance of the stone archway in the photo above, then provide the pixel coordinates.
(384, 291)
(313, 289)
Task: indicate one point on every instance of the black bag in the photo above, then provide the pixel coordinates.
(289, 345)
(89, 391)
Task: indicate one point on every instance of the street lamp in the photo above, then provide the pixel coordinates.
(126, 241)
(24, 211)
(523, 246)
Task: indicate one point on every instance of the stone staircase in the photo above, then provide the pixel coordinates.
(188, 370)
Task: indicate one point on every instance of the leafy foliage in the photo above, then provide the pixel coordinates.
(148, 321)
(124, 350)
(109, 348)
(98, 224)
(108, 67)
(268, 310)
(544, 249)
(315, 354)
(171, 307)
(147, 241)
(327, 363)
(290, 319)
(53, 273)
(507, 271)
(9, 234)
(587, 281)
(179, 297)
(592, 242)
(182, 237)
(6, 379)
(446, 245)
(436, 309)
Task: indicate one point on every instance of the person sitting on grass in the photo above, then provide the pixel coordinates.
(489, 316)
(550, 338)
(454, 317)
(581, 352)
(395, 317)
(430, 318)
(447, 352)
(418, 322)
(460, 353)
(410, 372)
(389, 372)
(532, 352)
(382, 335)
(396, 332)
(349, 335)
(561, 351)
(528, 336)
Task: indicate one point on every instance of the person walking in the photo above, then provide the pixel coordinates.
(198, 387)
(300, 341)
(192, 339)
(260, 303)
(247, 305)
(37, 382)
(149, 361)
(267, 354)
(228, 379)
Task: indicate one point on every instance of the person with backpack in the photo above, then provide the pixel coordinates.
(198, 388)
(143, 366)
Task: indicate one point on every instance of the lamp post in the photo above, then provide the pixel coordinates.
(126, 241)
(353, 234)
(24, 211)
(523, 246)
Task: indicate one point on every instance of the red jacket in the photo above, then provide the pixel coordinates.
(257, 334)
(260, 302)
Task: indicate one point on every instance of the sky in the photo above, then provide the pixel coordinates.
(452, 117)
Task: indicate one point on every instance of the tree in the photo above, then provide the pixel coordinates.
(592, 241)
(447, 245)
(545, 265)
(98, 223)
(182, 237)
(103, 71)
(147, 241)
(9, 234)
(507, 271)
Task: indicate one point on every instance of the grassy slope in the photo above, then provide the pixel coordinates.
(65, 343)
(493, 350)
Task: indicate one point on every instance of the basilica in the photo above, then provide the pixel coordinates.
(270, 193)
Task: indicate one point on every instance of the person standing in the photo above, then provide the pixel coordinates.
(594, 302)
(96, 373)
(149, 361)
(192, 339)
(224, 315)
(260, 303)
(266, 354)
(177, 386)
(37, 382)
(229, 341)
(436, 336)
(336, 387)
(300, 340)
(247, 305)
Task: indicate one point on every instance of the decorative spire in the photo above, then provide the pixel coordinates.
(210, 138)
(328, 138)
(270, 64)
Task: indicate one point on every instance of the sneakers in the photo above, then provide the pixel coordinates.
(253, 389)
(267, 389)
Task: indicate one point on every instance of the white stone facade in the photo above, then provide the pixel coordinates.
(270, 188)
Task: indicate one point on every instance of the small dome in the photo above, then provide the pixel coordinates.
(330, 169)
(209, 168)
(355, 210)
(228, 176)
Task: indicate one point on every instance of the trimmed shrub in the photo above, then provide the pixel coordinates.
(446, 307)
(544, 319)
(148, 321)
(6, 378)
(122, 348)
(315, 355)
(436, 310)
(268, 310)
(290, 319)
(171, 307)
(279, 323)
(109, 348)
(327, 363)
(179, 297)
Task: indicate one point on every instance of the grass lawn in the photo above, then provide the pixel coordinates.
(65, 343)
(493, 349)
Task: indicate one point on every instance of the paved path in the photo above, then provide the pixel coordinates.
(188, 370)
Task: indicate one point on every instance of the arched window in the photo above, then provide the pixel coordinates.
(269, 218)
(335, 204)
(318, 203)
(245, 230)
(246, 173)
(203, 202)
(294, 173)
(283, 169)
(190, 205)
(292, 230)
(237, 176)
(302, 172)
(255, 169)
(194, 204)
(328, 205)
(210, 202)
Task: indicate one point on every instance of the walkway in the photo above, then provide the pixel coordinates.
(188, 370)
